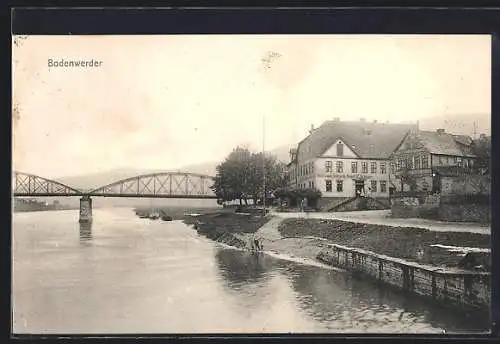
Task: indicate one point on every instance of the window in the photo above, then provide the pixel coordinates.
(383, 168)
(441, 160)
(383, 186)
(340, 149)
(459, 161)
(373, 185)
(312, 185)
(354, 167)
(328, 166)
(409, 162)
(328, 185)
(312, 167)
(340, 166)
(373, 167)
(340, 185)
(425, 161)
(401, 164)
(392, 167)
(364, 167)
(417, 162)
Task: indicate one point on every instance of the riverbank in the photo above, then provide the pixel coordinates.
(26, 209)
(305, 238)
(228, 227)
(411, 259)
(442, 249)
(179, 213)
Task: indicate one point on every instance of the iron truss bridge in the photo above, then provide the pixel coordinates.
(160, 185)
(25, 184)
(155, 185)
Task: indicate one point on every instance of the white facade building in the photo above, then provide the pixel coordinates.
(343, 159)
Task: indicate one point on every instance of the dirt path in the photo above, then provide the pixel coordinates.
(380, 217)
(272, 240)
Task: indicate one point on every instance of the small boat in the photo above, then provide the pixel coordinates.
(166, 218)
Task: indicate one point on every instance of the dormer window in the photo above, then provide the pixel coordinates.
(340, 149)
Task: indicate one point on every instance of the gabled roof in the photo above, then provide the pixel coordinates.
(446, 144)
(368, 140)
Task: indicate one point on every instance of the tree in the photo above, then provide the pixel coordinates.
(406, 177)
(482, 149)
(241, 176)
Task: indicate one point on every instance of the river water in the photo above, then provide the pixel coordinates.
(132, 275)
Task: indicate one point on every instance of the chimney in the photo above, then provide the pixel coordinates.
(336, 119)
(362, 120)
(440, 131)
(312, 129)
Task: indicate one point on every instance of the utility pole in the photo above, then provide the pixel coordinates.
(474, 126)
(264, 161)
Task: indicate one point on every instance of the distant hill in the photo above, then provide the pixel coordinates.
(94, 180)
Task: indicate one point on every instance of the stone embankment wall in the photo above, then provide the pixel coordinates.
(440, 208)
(470, 290)
(412, 207)
(353, 204)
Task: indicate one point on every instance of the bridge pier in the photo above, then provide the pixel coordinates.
(85, 209)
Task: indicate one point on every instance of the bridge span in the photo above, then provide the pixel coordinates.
(153, 185)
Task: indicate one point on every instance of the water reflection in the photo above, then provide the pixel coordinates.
(347, 302)
(85, 233)
(242, 268)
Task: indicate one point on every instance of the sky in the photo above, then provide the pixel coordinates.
(162, 102)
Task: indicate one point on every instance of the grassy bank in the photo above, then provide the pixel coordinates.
(228, 221)
(222, 225)
(398, 242)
